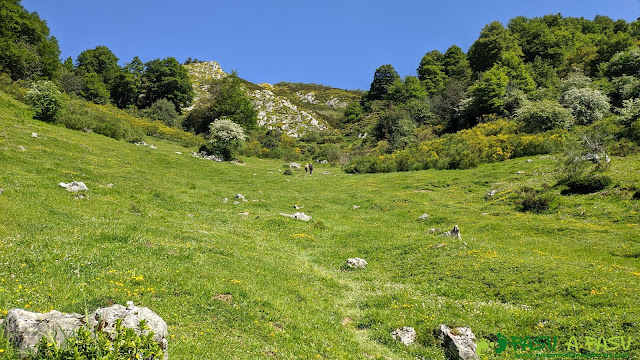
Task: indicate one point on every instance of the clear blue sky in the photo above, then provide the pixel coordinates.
(333, 42)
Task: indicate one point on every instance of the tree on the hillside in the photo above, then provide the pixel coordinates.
(101, 61)
(383, 78)
(166, 79)
(493, 43)
(487, 95)
(26, 48)
(225, 139)
(226, 98)
(587, 105)
(162, 110)
(518, 73)
(456, 64)
(395, 126)
(94, 89)
(431, 72)
(537, 116)
(45, 99)
(405, 91)
(127, 84)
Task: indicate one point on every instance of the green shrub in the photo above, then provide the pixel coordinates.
(45, 99)
(537, 116)
(537, 201)
(586, 184)
(123, 344)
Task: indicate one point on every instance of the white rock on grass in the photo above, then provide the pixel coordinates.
(356, 263)
(459, 343)
(24, 329)
(34, 135)
(455, 232)
(406, 335)
(74, 186)
(424, 217)
(298, 216)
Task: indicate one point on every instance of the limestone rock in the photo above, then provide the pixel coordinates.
(34, 135)
(459, 343)
(405, 334)
(74, 186)
(203, 155)
(294, 165)
(24, 328)
(240, 197)
(335, 103)
(356, 263)
(490, 194)
(424, 217)
(298, 216)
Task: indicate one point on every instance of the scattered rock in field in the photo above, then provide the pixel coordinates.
(596, 158)
(1, 191)
(346, 321)
(243, 214)
(203, 155)
(323, 162)
(225, 200)
(544, 157)
(356, 263)
(109, 185)
(87, 130)
(236, 162)
(24, 329)
(438, 246)
(326, 173)
(236, 202)
(153, 147)
(287, 179)
(424, 217)
(294, 165)
(459, 343)
(21, 148)
(455, 232)
(178, 152)
(78, 196)
(34, 135)
(519, 172)
(240, 197)
(433, 230)
(105, 319)
(74, 186)
(529, 160)
(298, 207)
(298, 216)
(141, 143)
(484, 214)
(355, 207)
(490, 194)
(228, 298)
(405, 334)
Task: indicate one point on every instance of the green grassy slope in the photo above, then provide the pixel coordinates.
(162, 236)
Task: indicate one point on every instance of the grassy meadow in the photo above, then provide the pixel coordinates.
(154, 228)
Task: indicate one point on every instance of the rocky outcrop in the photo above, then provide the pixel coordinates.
(459, 343)
(356, 263)
(276, 112)
(406, 335)
(298, 216)
(74, 186)
(24, 329)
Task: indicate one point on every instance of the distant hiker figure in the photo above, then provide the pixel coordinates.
(311, 169)
(306, 168)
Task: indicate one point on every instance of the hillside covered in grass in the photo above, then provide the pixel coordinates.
(155, 228)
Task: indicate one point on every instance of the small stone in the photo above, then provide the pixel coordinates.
(244, 213)
(153, 147)
(178, 152)
(459, 343)
(297, 207)
(529, 160)
(1, 191)
(455, 232)
(227, 298)
(519, 172)
(424, 217)
(490, 194)
(355, 207)
(405, 334)
(21, 148)
(225, 200)
(34, 135)
(356, 263)
(240, 197)
(236, 202)
(74, 186)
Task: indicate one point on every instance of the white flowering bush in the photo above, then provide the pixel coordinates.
(538, 116)
(45, 99)
(587, 105)
(226, 138)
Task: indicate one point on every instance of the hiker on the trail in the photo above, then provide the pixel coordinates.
(306, 168)
(310, 168)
